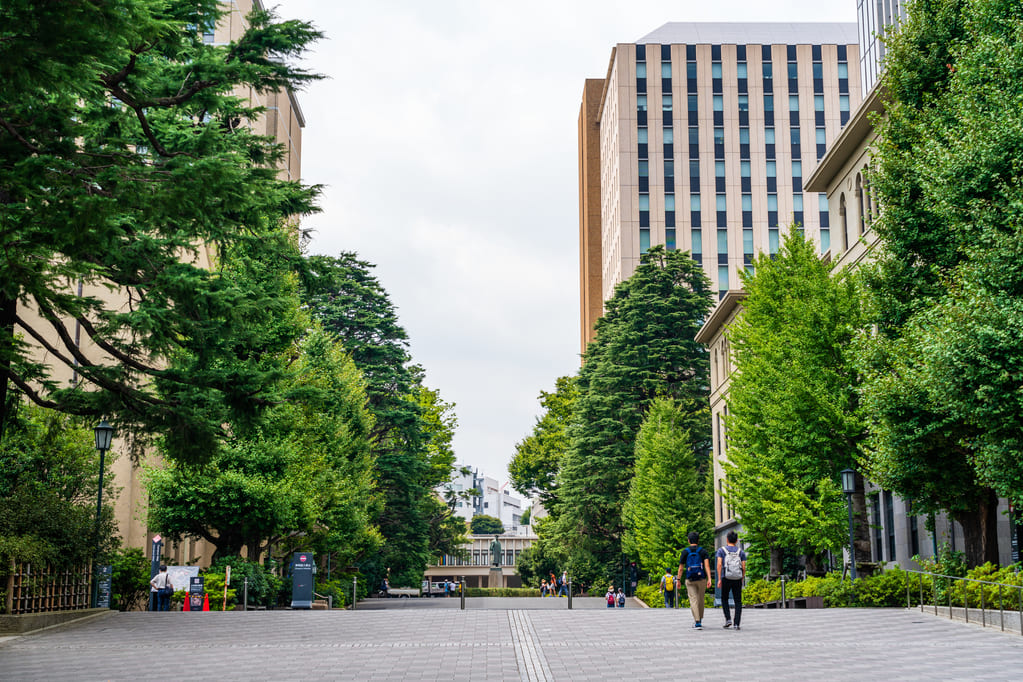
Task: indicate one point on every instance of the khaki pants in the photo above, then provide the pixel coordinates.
(696, 589)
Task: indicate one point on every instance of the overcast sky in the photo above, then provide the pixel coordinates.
(446, 139)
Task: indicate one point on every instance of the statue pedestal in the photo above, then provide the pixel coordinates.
(496, 578)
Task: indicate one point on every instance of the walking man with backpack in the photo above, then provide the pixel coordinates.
(668, 589)
(731, 572)
(694, 564)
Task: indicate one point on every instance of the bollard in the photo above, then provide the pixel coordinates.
(355, 585)
(245, 594)
(330, 602)
(461, 590)
(570, 593)
(784, 605)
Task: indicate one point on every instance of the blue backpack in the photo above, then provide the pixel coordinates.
(694, 565)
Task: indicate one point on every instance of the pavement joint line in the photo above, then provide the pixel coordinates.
(528, 654)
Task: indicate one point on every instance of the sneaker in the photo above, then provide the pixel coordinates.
(737, 627)
(728, 624)
(697, 625)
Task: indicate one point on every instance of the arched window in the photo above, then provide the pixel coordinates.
(859, 204)
(844, 246)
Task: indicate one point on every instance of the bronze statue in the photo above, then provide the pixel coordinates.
(495, 552)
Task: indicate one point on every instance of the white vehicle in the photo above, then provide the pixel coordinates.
(431, 589)
(403, 592)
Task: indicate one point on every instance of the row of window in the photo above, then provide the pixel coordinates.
(480, 558)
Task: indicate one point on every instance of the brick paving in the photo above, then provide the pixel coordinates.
(517, 643)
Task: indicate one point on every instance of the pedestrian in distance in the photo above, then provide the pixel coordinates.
(668, 589)
(621, 598)
(610, 597)
(563, 584)
(694, 565)
(543, 588)
(164, 588)
(731, 573)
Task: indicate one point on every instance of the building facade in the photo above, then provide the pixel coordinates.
(475, 494)
(475, 567)
(698, 138)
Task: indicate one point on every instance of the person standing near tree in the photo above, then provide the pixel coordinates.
(694, 566)
(731, 572)
(164, 588)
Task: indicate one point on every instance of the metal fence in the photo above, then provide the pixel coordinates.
(969, 593)
(32, 588)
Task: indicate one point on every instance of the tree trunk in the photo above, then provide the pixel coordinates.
(776, 561)
(8, 310)
(980, 530)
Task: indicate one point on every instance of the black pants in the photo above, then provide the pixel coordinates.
(733, 587)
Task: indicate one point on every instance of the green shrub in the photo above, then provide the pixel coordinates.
(129, 581)
(502, 592)
(650, 595)
(263, 586)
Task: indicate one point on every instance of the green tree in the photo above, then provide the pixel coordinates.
(668, 496)
(348, 300)
(534, 467)
(49, 476)
(300, 478)
(945, 291)
(793, 420)
(644, 348)
(483, 524)
(125, 167)
(447, 530)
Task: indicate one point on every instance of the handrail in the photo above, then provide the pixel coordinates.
(328, 597)
(966, 596)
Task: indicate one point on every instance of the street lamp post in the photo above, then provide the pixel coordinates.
(104, 433)
(849, 487)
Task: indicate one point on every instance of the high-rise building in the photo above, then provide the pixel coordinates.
(698, 138)
(874, 17)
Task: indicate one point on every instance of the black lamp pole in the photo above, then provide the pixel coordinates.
(849, 487)
(104, 433)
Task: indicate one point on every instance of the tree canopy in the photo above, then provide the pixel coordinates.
(784, 454)
(644, 348)
(534, 468)
(126, 169)
(942, 373)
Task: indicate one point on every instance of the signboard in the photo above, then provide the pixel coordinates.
(180, 576)
(154, 568)
(196, 586)
(103, 576)
(227, 576)
(302, 571)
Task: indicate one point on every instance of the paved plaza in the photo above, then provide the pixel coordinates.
(417, 642)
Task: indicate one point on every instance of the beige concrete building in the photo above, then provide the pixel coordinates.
(699, 140)
(475, 569)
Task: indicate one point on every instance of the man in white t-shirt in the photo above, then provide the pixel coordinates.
(731, 563)
(164, 588)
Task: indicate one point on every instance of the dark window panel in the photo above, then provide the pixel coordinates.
(716, 86)
(747, 218)
(665, 85)
(818, 85)
(842, 53)
(843, 86)
(793, 85)
(694, 118)
(794, 118)
(641, 118)
(815, 51)
(796, 151)
(690, 84)
(669, 150)
(690, 52)
(821, 150)
(769, 151)
(740, 52)
(744, 151)
(644, 218)
(747, 184)
(641, 53)
(722, 218)
(715, 52)
(772, 218)
(642, 151)
(797, 184)
(669, 184)
(843, 117)
(641, 85)
(667, 119)
(790, 52)
(743, 87)
(744, 118)
(797, 217)
(719, 184)
(719, 118)
(669, 219)
(772, 184)
(818, 119)
(694, 218)
(644, 184)
(825, 219)
(722, 259)
(665, 53)
(694, 183)
(765, 53)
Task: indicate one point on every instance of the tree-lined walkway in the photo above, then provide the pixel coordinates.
(445, 644)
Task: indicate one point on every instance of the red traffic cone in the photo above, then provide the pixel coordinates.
(188, 599)
(206, 602)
